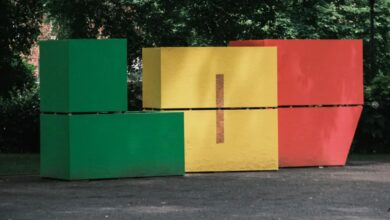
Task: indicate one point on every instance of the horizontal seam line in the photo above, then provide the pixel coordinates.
(253, 108)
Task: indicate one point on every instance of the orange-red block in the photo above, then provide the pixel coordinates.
(316, 136)
(317, 72)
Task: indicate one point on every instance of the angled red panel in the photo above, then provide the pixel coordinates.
(316, 136)
(317, 72)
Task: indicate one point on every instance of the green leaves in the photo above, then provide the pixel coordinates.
(20, 21)
(19, 121)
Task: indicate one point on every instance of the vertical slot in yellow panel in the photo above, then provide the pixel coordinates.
(188, 76)
(250, 141)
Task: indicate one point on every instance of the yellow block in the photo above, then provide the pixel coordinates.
(184, 77)
(250, 141)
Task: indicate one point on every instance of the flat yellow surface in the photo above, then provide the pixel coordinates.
(251, 141)
(187, 76)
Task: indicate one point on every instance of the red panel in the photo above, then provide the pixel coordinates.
(317, 72)
(316, 136)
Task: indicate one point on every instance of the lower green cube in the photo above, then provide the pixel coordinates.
(98, 146)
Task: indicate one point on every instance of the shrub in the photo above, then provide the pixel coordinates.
(134, 87)
(134, 95)
(15, 73)
(19, 120)
(372, 135)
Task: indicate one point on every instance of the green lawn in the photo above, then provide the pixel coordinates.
(19, 164)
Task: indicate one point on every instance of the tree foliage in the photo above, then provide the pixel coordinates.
(19, 120)
(19, 28)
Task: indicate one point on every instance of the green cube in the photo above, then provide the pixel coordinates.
(97, 146)
(83, 75)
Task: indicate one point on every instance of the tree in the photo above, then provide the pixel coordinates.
(19, 28)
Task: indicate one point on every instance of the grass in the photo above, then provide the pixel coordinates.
(19, 164)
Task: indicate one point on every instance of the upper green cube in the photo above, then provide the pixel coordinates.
(83, 75)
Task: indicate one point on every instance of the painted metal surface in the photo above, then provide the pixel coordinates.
(316, 136)
(317, 72)
(184, 77)
(83, 75)
(250, 141)
(97, 146)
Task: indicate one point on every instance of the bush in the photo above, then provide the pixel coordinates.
(19, 121)
(15, 73)
(134, 90)
(372, 135)
(134, 87)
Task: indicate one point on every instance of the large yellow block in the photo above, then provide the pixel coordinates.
(185, 77)
(250, 141)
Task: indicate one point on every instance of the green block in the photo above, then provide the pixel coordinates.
(83, 75)
(97, 146)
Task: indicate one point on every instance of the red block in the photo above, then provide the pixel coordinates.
(317, 72)
(316, 136)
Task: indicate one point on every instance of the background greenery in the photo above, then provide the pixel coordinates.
(149, 23)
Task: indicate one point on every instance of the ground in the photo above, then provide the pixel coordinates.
(360, 190)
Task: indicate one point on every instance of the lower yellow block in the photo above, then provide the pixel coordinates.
(250, 141)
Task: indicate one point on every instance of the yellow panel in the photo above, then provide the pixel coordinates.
(188, 77)
(250, 141)
(151, 77)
